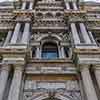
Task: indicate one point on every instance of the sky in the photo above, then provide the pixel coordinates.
(85, 0)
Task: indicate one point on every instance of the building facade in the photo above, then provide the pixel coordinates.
(49, 50)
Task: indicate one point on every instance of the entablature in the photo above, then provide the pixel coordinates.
(37, 66)
(93, 25)
(87, 55)
(44, 28)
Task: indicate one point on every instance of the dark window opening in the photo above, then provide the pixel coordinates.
(71, 5)
(79, 33)
(49, 51)
(27, 5)
(66, 50)
(33, 52)
(22, 27)
(1, 58)
(9, 81)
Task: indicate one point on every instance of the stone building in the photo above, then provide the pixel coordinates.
(49, 50)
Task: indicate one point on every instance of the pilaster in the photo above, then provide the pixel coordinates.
(96, 69)
(75, 34)
(7, 38)
(75, 6)
(88, 84)
(16, 33)
(14, 93)
(85, 33)
(26, 34)
(23, 5)
(3, 79)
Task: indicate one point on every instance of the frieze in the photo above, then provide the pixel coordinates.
(62, 90)
(51, 70)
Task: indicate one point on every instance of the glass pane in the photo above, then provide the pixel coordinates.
(49, 55)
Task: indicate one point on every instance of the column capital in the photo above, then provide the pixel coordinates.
(96, 67)
(19, 67)
(5, 67)
(84, 67)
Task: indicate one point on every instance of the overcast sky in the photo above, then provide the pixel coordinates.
(85, 0)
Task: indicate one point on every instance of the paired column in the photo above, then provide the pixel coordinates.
(8, 38)
(67, 5)
(88, 84)
(97, 75)
(15, 34)
(38, 53)
(62, 52)
(26, 34)
(23, 5)
(15, 88)
(3, 79)
(92, 38)
(85, 33)
(17, 28)
(75, 6)
(31, 6)
(75, 33)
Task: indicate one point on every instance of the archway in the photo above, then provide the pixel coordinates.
(55, 97)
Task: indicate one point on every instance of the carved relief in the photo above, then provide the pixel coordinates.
(63, 89)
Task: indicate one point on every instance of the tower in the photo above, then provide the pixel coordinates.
(49, 50)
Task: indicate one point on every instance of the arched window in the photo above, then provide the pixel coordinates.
(49, 51)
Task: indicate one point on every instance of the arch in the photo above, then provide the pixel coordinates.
(48, 14)
(58, 14)
(46, 35)
(62, 97)
(39, 15)
(46, 96)
(39, 96)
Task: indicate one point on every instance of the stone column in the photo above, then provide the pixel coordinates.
(8, 38)
(75, 34)
(67, 5)
(16, 33)
(59, 52)
(38, 53)
(88, 84)
(15, 88)
(3, 79)
(92, 38)
(26, 34)
(97, 74)
(23, 5)
(85, 33)
(75, 6)
(31, 6)
(62, 52)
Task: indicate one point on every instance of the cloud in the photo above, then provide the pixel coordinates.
(83, 0)
(93, 0)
